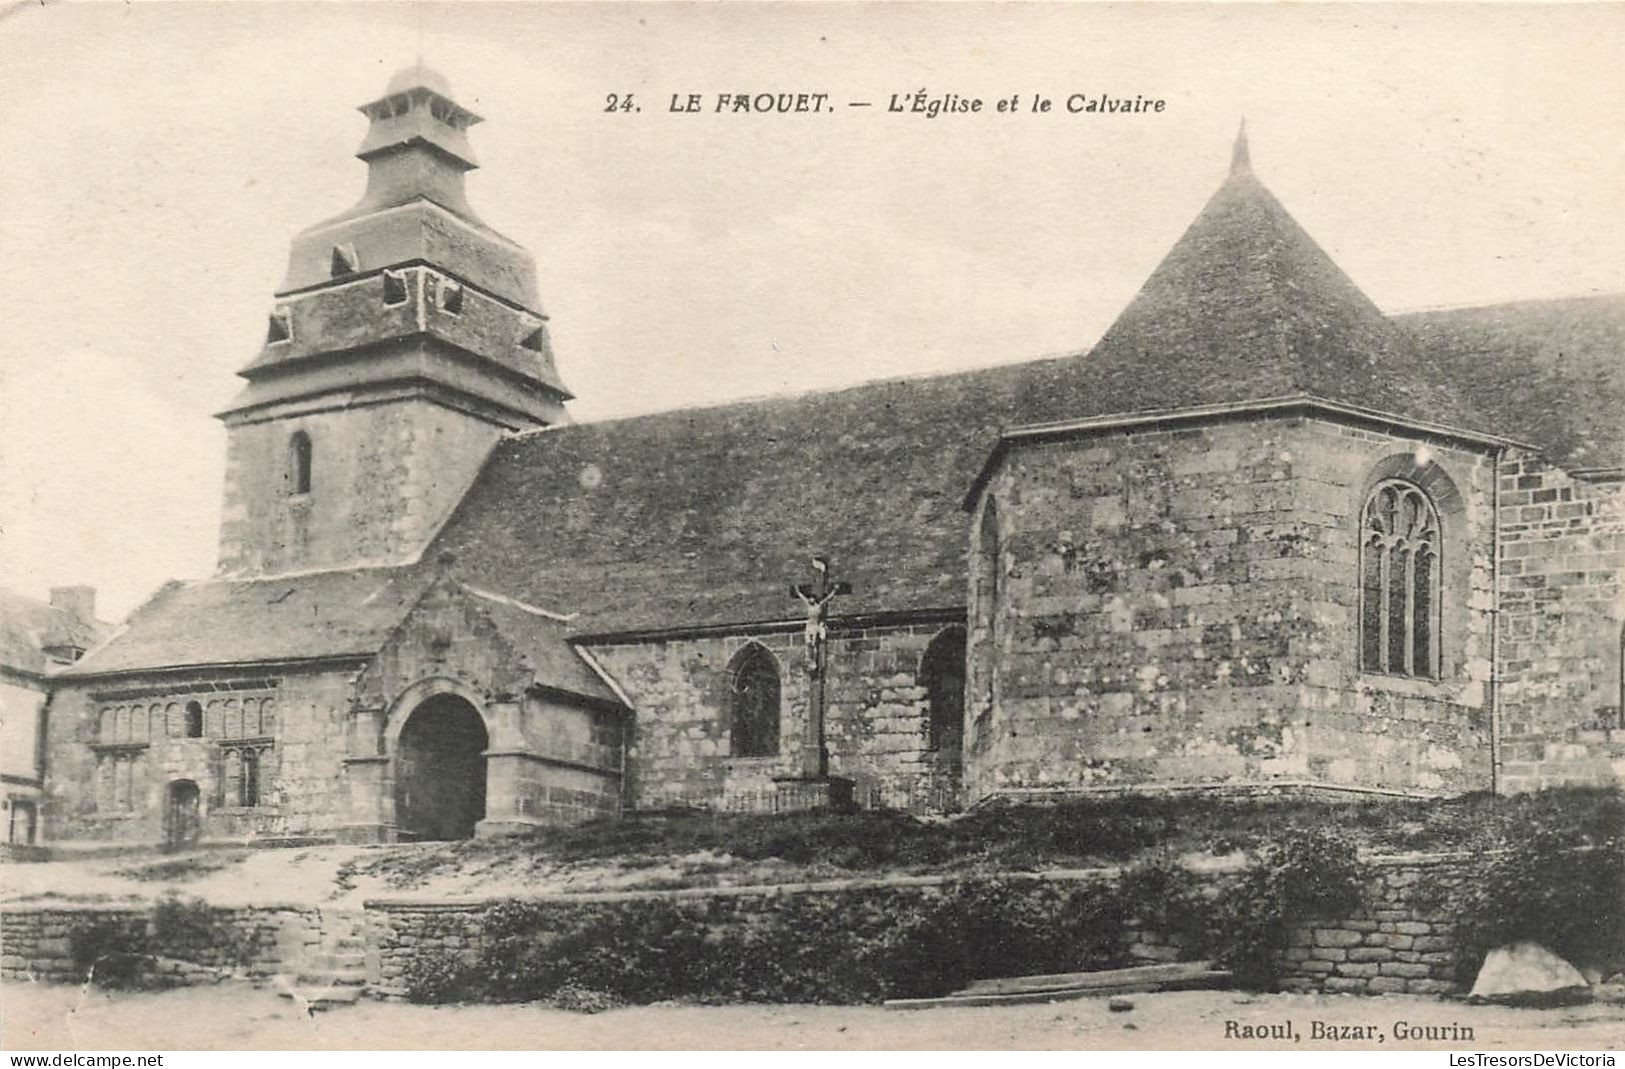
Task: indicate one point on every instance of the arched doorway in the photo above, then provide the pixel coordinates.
(440, 770)
(182, 821)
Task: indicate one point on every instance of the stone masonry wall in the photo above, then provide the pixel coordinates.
(1562, 641)
(383, 477)
(1178, 606)
(36, 943)
(1396, 942)
(877, 718)
(1400, 940)
(116, 746)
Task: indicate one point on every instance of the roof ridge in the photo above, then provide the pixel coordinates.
(799, 395)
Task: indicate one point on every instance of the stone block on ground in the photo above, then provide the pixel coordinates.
(1527, 974)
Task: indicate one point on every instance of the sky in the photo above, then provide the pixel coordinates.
(156, 159)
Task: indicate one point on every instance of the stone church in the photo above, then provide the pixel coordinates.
(1261, 538)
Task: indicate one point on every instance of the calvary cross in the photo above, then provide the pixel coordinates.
(816, 597)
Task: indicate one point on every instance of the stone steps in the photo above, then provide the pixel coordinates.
(332, 971)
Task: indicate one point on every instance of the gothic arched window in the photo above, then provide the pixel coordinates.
(753, 703)
(942, 674)
(1399, 581)
(299, 463)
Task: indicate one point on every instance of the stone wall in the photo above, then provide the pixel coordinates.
(1178, 605)
(36, 942)
(877, 718)
(117, 746)
(383, 477)
(1400, 940)
(1562, 640)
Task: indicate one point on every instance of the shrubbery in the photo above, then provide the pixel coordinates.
(859, 945)
(867, 944)
(128, 950)
(1562, 887)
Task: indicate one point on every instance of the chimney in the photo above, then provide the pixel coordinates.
(80, 601)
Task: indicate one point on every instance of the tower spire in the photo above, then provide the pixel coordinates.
(1240, 160)
(417, 142)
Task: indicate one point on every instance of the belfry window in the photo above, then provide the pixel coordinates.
(753, 703)
(194, 720)
(942, 674)
(280, 328)
(1399, 581)
(299, 458)
(394, 288)
(345, 261)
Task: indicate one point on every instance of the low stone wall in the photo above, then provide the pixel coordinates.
(36, 942)
(1401, 940)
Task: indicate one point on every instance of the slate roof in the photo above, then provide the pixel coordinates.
(219, 622)
(1549, 372)
(1247, 307)
(702, 517)
(705, 516)
(319, 615)
(28, 625)
(543, 642)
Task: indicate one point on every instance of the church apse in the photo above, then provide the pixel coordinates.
(1181, 609)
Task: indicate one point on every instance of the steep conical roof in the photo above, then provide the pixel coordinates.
(1247, 307)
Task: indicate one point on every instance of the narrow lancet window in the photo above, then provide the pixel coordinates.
(942, 674)
(299, 458)
(753, 685)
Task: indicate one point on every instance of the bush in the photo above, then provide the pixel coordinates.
(128, 950)
(434, 979)
(1303, 874)
(1166, 897)
(113, 951)
(860, 945)
(193, 931)
(1561, 887)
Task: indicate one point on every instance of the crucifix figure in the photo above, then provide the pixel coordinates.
(816, 597)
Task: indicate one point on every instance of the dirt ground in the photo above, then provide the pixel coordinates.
(318, 876)
(240, 1017)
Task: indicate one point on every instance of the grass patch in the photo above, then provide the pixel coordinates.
(183, 869)
(1072, 834)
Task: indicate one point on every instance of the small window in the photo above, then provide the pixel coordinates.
(451, 297)
(299, 458)
(753, 700)
(394, 288)
(194, 720)
(345, 261)
(248, 783)
(536, 340)
(281, 327)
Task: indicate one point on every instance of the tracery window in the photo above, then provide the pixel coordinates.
(753, 699)
(1399, 581)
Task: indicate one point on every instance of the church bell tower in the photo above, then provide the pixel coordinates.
(405, 340)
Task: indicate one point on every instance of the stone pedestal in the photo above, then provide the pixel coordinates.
(793, 794)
